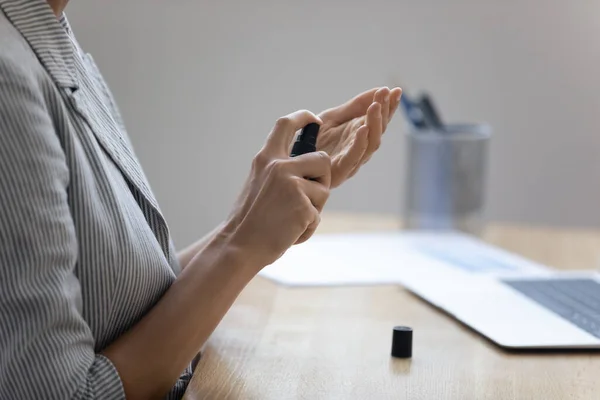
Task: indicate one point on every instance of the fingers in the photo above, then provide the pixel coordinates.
(378, 119)
(352, 158)
(382, 96)
(353, 108)
(375, 124)
(395, 95)
(358, 105)
(315, 166)
(310, 230)
(316, 192)
(281, 136)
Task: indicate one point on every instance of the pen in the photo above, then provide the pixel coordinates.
(413, 112)
(430, 114)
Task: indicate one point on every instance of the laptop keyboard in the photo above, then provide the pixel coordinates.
(576, 300)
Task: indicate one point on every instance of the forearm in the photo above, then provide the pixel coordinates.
(186, 255)
(154, 352)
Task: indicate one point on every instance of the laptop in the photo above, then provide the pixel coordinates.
(530, 307)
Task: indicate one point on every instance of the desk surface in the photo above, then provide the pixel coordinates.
(334, 343)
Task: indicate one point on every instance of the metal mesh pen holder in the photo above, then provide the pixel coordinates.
(446, 178)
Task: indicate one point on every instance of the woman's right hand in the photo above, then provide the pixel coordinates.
(282, 199)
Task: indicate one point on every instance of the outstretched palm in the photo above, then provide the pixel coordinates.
(352, 132)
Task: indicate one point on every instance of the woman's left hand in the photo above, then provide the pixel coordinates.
(352, 132)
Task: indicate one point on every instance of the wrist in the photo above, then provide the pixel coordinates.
(236, 249)
(220, 252)
(244, 244)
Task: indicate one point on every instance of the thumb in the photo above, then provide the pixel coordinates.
(281, 136)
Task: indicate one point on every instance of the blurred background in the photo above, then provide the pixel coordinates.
(200, 84)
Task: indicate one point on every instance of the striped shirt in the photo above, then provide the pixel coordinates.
(84, 249)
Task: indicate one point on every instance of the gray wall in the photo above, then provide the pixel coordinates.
(200, 84)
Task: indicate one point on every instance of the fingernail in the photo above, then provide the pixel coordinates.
(387, 98)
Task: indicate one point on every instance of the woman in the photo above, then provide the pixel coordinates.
(94, 301)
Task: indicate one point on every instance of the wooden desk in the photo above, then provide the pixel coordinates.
(334, 343)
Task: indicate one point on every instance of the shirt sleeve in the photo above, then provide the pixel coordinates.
(178, 390)
(46, 347)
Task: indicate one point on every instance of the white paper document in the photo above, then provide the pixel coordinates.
(392, 258)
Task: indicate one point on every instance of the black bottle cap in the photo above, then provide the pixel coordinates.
(306, 142)
(402, 342)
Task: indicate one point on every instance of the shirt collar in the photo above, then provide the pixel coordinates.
(47, 36)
